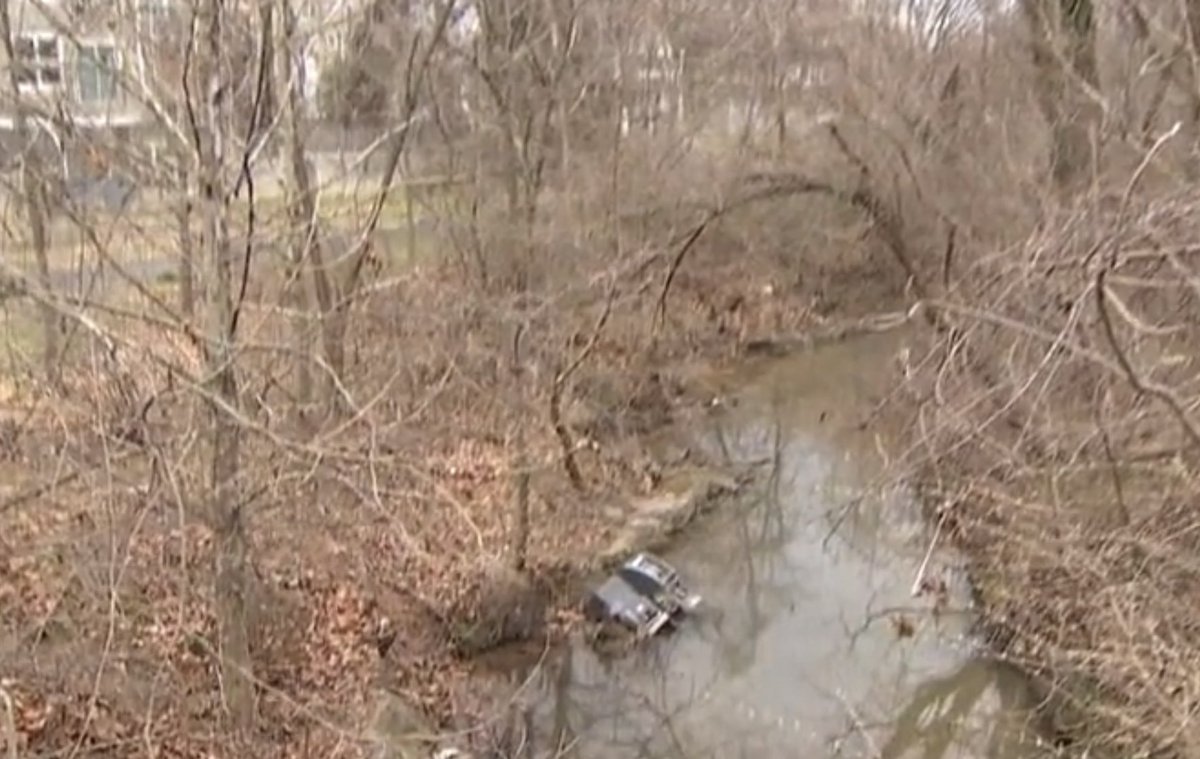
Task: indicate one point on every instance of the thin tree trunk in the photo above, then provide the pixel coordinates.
(34, 194)
(1064, 58)
(225, 433)
(564, 735)
(565, 441)
(410, 219)
(187, 253)
(781, 127)
(519, 533)
(34, 189)
(520, 529)
(336, 296)
(303, 213)
(1191, 123)
(564, 138)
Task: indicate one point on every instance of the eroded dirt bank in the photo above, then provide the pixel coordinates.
(382, 548)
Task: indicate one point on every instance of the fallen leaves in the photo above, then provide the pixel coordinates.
(417, 521)
(31, 711)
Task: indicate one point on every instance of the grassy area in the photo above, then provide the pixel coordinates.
(148, 230)
(20, 326)
(338, 198)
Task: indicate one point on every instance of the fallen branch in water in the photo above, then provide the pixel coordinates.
(919, 581)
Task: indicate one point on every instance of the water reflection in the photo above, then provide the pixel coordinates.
(941, 718)
(798, 651)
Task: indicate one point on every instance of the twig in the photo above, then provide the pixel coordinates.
(1140, 384)
(858, 723)
(1127, 195)
(660, 317)
(1134, 180)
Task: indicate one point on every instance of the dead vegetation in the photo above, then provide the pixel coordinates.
(356, 436)
(381, 543)
(1058, 436)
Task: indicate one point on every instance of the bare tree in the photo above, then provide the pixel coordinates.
(635, 189)
(215, 146)
(302, 209)
(336, 281)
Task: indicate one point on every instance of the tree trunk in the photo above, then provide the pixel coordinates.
(519, 548)
(335, 297)
(519, 528)
(33, 182)
(34, 195)
(302, 211)
(564, 734)
(232, 582)
(187, 253)
(781, 127)
(1064, 59)
(565, 441)
(410, 218)
(225, 507)
(308, 254)
(1191, 121)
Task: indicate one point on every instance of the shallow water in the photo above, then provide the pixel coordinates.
(811, 642)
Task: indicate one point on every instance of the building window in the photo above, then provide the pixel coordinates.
(97, 73)
(38, 61)
(155, 16)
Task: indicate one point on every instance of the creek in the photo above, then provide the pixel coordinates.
(810, 642)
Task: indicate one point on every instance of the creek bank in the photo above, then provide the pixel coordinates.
(783, 345)
(654, 432)
(1056, 717)
(512, 607)
(524, 612)
(1053, 719)
(652, 522)
(515, 609)
(797, 638)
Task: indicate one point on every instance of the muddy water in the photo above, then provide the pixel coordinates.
(811, 642)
